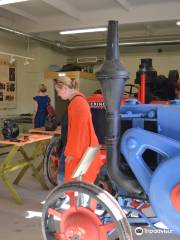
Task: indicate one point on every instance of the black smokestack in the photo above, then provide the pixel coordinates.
(112, 77)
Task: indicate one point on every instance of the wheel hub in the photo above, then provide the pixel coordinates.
(76, 237)
(74, 234)
(80, 224)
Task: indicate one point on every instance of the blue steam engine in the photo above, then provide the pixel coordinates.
(149, 145)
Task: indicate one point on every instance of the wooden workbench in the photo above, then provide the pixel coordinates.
(10, 163)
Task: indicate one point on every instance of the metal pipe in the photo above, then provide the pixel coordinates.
(128, 44)
(42, 40)
(16, 55)
(90, 46)
(112, 77)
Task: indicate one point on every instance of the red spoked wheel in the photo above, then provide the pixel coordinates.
(50, 163)
(82, 211)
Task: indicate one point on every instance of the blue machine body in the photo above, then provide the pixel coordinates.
(164, 140)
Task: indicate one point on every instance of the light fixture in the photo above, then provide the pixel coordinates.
(58, 44)
(13, 56)
(26, 62)
(178, 23)
(4, 2)
(12, 60)
(61, 74)
(86, 30)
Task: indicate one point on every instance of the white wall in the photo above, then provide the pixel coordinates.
(30, 76)
(168, 59)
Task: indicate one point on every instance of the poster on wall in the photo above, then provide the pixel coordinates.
(7, 86)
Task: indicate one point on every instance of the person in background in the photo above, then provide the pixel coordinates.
(97, 106)
(40, 104)
(80, 130)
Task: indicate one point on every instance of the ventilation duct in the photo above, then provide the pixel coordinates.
(61, 45)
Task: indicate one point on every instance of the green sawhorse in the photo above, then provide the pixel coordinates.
(11, 164)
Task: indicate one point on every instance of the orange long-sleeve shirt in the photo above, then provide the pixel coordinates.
(81, 135)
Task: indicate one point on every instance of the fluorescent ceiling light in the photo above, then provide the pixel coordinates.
(178, 23)
(87, 30)
(4, 2)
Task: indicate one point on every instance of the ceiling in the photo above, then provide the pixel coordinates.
(139, 20)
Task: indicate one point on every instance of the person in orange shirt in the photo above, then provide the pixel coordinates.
(80, 132)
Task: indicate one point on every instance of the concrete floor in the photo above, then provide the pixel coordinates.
(17, 222)
(14, 221)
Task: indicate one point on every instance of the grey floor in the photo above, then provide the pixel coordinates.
(16, 221)
(22, 222)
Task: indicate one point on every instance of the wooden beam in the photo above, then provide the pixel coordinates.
(65, 7)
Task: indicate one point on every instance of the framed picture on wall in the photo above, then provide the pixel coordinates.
(7, 86)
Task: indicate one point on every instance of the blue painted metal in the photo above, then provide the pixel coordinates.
(175, 102)
(143, 220)
(166, 143)
(168, 120)
(134, 214)
(132, 101)
(166, 116)
(134, 143)
(164, 179)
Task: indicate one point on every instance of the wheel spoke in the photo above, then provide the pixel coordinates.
(54, 158)
(113, 235)
(58, 236)
(55, 213)
(53, 165)
(92, 204)
(72, 199)
(107, 227)
(54, 174)
(104, 229)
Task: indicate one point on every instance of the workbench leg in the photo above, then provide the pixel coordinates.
(10, 157)
(6, 163)
(38, 177)
(20, 175)
(34, 170)
(40, 166)
(11, 189)
(28, 159)
(41, 147)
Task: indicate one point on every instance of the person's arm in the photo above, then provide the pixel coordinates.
(35, 111)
